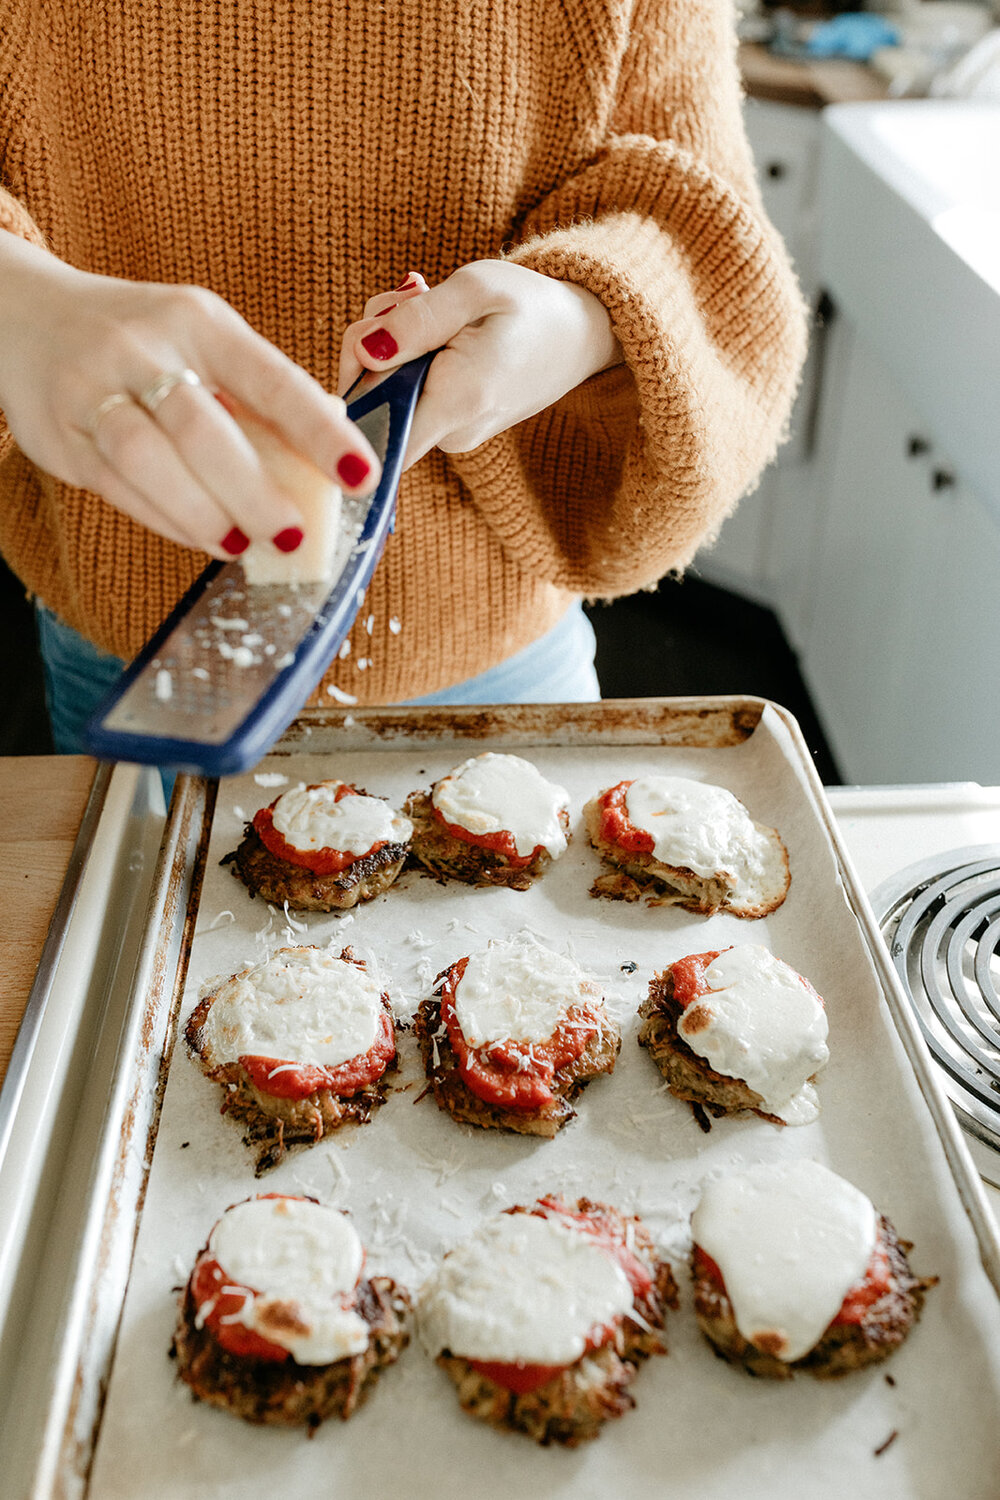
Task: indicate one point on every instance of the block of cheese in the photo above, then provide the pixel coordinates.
(319, 501)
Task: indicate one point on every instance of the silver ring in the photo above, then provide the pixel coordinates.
(102, 408)
(163, 385)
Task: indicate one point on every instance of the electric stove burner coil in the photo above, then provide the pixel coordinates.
(941, 920)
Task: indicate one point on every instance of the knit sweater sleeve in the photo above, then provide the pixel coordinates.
(619, 483)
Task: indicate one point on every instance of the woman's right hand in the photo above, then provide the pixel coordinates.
(69, 340)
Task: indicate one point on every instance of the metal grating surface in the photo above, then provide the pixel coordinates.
(941, 920)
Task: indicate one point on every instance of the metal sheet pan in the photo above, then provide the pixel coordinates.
(415, 1182)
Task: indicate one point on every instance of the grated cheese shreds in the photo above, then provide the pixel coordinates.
(219, 918)
(338, 694)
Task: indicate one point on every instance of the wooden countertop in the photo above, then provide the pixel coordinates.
(786, 80)
(42, 798)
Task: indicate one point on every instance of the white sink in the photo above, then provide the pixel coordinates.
(935, 153)
(910, 250)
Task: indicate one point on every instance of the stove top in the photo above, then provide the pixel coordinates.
(941, 920)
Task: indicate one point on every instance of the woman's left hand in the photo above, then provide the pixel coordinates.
(512, 342)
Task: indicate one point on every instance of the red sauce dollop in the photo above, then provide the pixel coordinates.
(615, 826)
(513, 1074)
(521, 1377)
(872, 1286)
(207, 1280)
(500, 841)
(296, 1080)
(321, 861)
(689, 978)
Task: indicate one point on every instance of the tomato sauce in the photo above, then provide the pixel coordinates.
(876, 1281)
(509, 1073)
(500, 841)
(285, 1080)
(320, 861)
(521, 1377)
(217, 1306)
(689, 978)
(615, 826)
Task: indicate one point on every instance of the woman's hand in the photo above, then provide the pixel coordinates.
(512, 342)
(69, 341)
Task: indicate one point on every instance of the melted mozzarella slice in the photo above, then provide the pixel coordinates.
(761, 1024)
(310, 818)
(791, 1240)
(302, 1261)
(302, 1005)
(517, 991)
(523, 1288)
(318, 500)
(705, 829)
(504, 794)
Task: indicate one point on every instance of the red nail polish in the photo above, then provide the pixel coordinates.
(380, 344)
(235, 542)
(353, 469)
(404, 286)
(289, 539)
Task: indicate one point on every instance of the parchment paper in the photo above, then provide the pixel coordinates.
(415, 1183)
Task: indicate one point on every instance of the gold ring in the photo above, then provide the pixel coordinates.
(163, 385)
(102, 408)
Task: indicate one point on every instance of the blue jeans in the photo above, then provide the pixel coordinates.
(557, 668)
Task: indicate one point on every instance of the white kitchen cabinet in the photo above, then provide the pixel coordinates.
(784, 139)
(901, 645)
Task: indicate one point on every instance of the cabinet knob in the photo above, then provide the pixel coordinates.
(917, 446)
(942, 479)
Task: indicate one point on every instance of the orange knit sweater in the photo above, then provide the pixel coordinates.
(298, 157)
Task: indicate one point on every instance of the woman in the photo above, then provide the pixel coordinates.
(197, 200)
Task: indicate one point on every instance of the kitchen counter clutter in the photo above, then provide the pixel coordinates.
(811, 84)
(413, 1176)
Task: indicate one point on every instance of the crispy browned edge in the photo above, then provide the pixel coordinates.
(635, 875)
(272, 1124)
(690, 1077)
(454, 1096)
(285, 1393)
(264, 874)
(571, 1408)
(437, 852)
(843, 1347)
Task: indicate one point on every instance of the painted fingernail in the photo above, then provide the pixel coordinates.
(404, 286)
(289, 539)
(353, 469)
(380, 344)
(235, 542)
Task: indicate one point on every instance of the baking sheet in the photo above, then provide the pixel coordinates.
(415, 1183)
